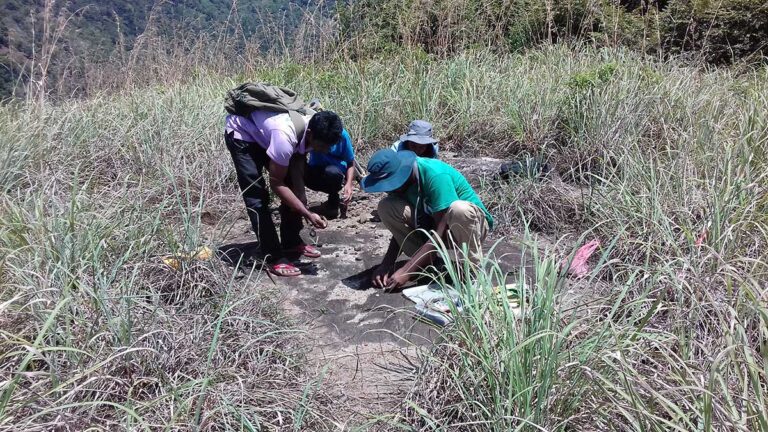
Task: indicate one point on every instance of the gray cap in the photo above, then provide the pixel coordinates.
(420, 132)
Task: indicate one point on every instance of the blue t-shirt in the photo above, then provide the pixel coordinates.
(341, 154)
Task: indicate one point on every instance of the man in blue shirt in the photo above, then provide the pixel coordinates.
(331, 173)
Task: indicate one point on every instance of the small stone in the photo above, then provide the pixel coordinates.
(357, 258)
(358, 248)
(362, 219)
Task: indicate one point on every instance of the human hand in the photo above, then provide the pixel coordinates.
(317, 221)
(380, 275)
(347, 192)
(397, 280)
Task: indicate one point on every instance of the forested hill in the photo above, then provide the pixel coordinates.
(701, 32)
(96, 27)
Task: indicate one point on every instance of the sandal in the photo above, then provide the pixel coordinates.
(284, 270)
(306, 250)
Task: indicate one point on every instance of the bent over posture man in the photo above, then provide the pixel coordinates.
(424, 194)
(267, 139)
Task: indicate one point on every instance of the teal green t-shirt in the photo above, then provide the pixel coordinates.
(441, 185)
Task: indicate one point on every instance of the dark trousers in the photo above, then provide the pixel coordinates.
(251, 161)
(328, 179)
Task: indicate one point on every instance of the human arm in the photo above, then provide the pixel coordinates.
(381, 274)
(277, 175)
(348, 156)
(423, 256)
(297, 166)
(348, 189)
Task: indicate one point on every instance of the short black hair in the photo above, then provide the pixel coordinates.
(326, 127)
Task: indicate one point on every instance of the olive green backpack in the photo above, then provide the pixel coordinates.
(249, 97)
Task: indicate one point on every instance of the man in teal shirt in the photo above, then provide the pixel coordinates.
(333, 172)
(423, 194)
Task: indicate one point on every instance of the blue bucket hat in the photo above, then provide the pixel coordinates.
(388, 170)
(420, 132)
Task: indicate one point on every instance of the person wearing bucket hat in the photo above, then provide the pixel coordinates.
(418, 139)
(423, 194)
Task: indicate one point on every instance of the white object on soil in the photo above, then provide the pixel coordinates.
(433, 302)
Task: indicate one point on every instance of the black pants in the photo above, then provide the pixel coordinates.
(251, 161)
(328, 179)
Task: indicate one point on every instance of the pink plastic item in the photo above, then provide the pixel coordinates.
(702, 237)
(579, 267)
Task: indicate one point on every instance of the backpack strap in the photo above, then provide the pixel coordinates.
(418, 195)
(299, 125)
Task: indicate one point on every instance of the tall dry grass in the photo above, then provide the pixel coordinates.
(647, 351)
(95, 330)
(647, 157)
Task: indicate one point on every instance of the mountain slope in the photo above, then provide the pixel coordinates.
(94, 29)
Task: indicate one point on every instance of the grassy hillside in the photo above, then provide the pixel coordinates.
(84, 31)
(720, 32)
(665, 164)
(54, 48)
